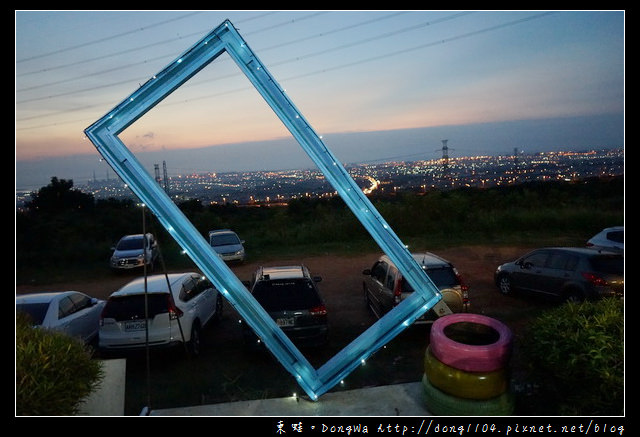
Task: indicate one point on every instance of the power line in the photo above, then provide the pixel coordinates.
(324, 70)
(108, 38)
(421, 46)
(146, 46)
(39, 116)
(119, 68)
(373, 38)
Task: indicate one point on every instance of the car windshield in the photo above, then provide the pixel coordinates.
(443, 278)
(130, 244)
(35, 311)
(132, 307)
(608, 264)
(286, 294)
(224, 240)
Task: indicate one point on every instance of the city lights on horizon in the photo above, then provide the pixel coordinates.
(278, 187)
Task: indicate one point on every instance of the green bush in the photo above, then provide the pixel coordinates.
(54, 372)
(575, 356)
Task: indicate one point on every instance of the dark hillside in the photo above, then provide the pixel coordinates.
(65, 233)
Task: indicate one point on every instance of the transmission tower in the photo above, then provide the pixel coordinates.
(445, 161)
(156, 168)
(164, 176)
(516, 163)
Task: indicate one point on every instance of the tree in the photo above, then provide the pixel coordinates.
(60, 196)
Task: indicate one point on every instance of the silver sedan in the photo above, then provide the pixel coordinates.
(71, 312)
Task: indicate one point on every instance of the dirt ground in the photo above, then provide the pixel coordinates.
(342, 281)
(228, 372)
(475, 263)
(342, 278)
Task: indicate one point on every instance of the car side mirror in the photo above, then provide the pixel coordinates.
(317, 279)
(366, 272)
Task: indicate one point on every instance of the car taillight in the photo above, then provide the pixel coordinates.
(320, 310)
(464, 288)
(102, 315)
(595, 279)
(174, 311)
(397, 290)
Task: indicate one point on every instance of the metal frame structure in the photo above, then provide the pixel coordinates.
(104, 135)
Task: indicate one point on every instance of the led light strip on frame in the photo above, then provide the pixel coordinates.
(104, 135)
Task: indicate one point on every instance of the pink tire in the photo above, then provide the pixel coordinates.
(471, 342)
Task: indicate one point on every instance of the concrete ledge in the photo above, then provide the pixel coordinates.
(108, 398)
(392, 400)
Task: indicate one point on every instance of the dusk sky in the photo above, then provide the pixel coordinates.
(375, 84)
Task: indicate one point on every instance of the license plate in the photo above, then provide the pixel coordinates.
(289, 321)
(137, 325)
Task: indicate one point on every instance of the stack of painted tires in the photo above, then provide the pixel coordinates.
(466, 367)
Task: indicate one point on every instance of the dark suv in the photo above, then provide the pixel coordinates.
(569, 273)
(291, 297)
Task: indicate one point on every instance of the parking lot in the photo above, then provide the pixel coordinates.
(227, 371)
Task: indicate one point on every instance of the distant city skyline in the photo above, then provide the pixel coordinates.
(374, 84)
(409, 144)
(278, 187)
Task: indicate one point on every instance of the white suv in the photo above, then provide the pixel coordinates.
(179, 305)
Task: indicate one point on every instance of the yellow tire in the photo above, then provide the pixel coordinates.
(440, 403)
(463, 384)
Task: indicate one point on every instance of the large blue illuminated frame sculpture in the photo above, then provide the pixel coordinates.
(103, 134)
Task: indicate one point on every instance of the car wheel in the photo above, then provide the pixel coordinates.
(365, 293)
(471, 342)
(504, 285)
(440, 403)
(368, 302)
(194, 342)
(219, 308)
(467, 385)
(574, 295)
